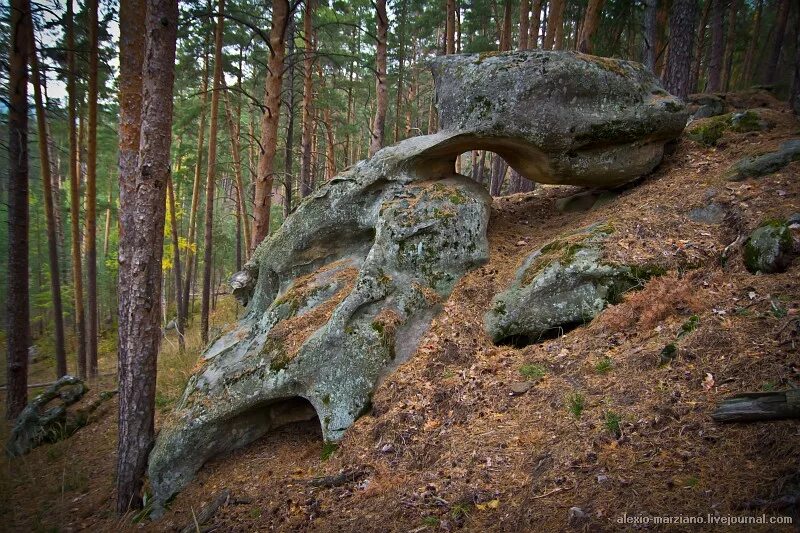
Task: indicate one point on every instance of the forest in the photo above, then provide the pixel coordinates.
(399, 265)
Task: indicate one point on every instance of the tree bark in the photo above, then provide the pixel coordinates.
(288, 154)
(781, 19)
(142, 207)
(74, 196)
(536, 18)
(91, 196)
(590, 22)
(107, 228)
(650, 31)
(17, 304)
(746, 76)
(306, 184)
(269, 123)
(191, 259)
(47, 190)
(208, 241)
(698, 51)
(730, 43)
(449, 28)
(794, 98)
(524, 23)
(241, 201)
(555, 19)
(717, 45)
(176, 266)
(381, 91)
(681, 23)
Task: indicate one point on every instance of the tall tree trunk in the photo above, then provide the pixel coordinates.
(589, 26)
(91, 196)
(176, 266)
(241, 197)
(730, 44)
(269, 123)
(524, 23)
(208, 241)
(141, 245)
(555, 20)
(746, 76)
(717, 45)
(781, 19)
(47, 186)
(306, 184)
(536, 17)
(794, 98)
(698, 51)
(288, 155)
(74, 196)
(107, 228)
(191, 259)
(398, 107)
(650, 31)
(19, 329)
(679, 60)
(449, 28)
(505, 31)
(662, 21)
(381, 91)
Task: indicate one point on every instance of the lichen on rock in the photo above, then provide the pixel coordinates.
(769, 248)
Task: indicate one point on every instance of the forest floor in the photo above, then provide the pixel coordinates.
(449, 445)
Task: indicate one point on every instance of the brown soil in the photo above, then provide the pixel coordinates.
(447, 446)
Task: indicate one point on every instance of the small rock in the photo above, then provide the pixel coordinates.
(769, 248)
(521, 387)
(712, 213)
(387, 448)
(576, 515)
(602, 479)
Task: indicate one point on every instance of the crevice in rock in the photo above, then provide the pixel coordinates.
(521, 341)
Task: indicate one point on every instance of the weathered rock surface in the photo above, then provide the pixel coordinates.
(563, 284)
(769, 248)
(45, 418)
(561, 118)
(763, 164)
(711, 130)
(713, 213)
(343, 291)
(705, 105)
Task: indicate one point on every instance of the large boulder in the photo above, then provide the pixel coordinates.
(559, 117)
(345, 288)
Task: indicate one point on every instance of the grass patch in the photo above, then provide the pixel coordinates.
(532, 372)
(328, 450)
(611, 421)
(604, 365)
(576, 402)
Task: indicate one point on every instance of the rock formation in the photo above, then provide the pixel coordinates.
(345, 288)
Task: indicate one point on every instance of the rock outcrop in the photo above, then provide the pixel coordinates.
(345, 288)
(564, 284)
(762, 164)
(769, 248)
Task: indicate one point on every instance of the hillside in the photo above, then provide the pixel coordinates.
(469, 435)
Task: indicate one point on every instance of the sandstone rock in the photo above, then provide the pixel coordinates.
(563, 284)
(769, 248)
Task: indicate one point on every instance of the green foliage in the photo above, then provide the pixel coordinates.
(328, 450)
(604, 365)
(532, 372)
(576, 403)
(611, 421)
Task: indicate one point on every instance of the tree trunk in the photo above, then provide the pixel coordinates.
(650, 31)
(141, 245)
(17, 295)
(524, 23)
(107, 228)
(306, 184)
(505, 29)
(589, 26)
(288, 155)
(378, 125)
(499, 168)
(555, 19)
(176, 267)
(781, 19)
(698, 51)
(717, 45)
(74, 195)
(662, 21)
(241, 201)
(449, 28)
(269, 123)
(746, 76)
(730, 44)
(401, 52)
(759, 406)
(679, 60)
(536, 17)
(191, 260)
(91, 197)
(47, 186)
(208, 241)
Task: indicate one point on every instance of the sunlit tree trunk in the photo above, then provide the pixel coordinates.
(91, 196)
(449, 28)
(524, 23)
(269, 123)
(555, 19)
(18, 332)
(208, 241)
(241, 202)
(505, 31)
(142, 210)
(49, 210)
(306, 184)
(381, 91)
(176, 266)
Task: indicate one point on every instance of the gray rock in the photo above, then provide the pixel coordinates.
(559, 117)
(761, 165)
(576, 516)
(712, 213)
(793, 219)
(705, 105)
(565, 283)
(342, 292)
(44, 419)
(769, 248)
(584, 201)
